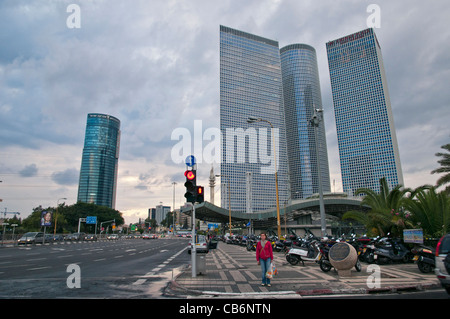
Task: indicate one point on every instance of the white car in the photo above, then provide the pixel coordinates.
(201, 245)
(441, 271)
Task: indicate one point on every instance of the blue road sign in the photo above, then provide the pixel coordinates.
(190, 160)
(91, 220)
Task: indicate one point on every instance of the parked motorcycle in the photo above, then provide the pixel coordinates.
(251, 243)
(310, 253)
(424, 256)
(392, 250)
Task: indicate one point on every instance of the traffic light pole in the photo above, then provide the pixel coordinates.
(193, 248)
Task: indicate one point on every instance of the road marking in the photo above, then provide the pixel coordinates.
(139, 281)
(34, 259)
(100, 259)
(38, 268)
(158, 268)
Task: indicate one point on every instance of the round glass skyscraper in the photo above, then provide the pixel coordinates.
(98, 174)
(301, 90)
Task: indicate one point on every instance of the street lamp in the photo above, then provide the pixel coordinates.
(229, 200)
(56, 217)
(173, 209)
(315, 120)
(254, 120)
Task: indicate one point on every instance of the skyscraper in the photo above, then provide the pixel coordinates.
(302, 95)
(251, 86)
(98, 174)
(365, 126)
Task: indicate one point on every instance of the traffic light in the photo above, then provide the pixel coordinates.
(191, 183)
(200, 194)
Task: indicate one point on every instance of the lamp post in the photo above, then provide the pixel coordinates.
(173, 209)
(229, 199)
(56, 217)
(315, 120)
(254, 120)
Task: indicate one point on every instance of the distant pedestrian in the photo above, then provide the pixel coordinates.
(264, 256)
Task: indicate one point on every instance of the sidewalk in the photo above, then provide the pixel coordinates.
(232, 271)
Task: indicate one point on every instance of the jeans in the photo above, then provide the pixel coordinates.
(265, 266)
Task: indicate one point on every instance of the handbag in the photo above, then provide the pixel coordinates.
(273, 271)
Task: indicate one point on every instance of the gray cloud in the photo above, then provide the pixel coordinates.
(29, 171)
(155, 66)
(68, 177)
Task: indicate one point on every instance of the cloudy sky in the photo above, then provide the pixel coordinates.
(154, 64)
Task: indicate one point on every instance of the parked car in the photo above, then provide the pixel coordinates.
(201, 245)
(31, 238)
(76, 236)
(442, 256)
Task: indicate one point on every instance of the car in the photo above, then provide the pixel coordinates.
(75, 237)
(442, 270)
(112, 237)
(145, 236)
(201, 245)
(31, 238)
(90, 237)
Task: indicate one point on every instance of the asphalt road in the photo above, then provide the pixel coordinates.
(126, 268)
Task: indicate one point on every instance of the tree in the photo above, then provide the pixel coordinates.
(68, 217)
(445, 166)
(386, 212)
(430, 211)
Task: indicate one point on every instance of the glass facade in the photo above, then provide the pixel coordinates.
(301, 89)
(98, 175)
(251, 86)
(365, 126)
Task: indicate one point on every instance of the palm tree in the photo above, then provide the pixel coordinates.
(445, 166)
(430, 211)
(386, 209)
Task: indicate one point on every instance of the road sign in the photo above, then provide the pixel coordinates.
(91, 220)
(190, 160)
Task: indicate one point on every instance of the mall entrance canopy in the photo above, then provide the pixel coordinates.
(335, 205)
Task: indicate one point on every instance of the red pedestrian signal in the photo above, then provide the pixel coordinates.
(200, 194)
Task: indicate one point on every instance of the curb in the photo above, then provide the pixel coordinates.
(368, 291)
(175, 290)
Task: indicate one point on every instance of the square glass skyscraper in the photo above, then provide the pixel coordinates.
(251, 86)
(366, 135)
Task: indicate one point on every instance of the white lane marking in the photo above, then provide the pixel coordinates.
(158, 268)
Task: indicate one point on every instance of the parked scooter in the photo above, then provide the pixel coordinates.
(424, 256)
(392, 250)
(252, 240)
(311, 253)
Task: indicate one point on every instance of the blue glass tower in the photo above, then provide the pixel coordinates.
(302, 95)
(367, 141)
(98, 174)
(251, 86)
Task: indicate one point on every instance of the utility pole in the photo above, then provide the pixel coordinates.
(315, 123)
